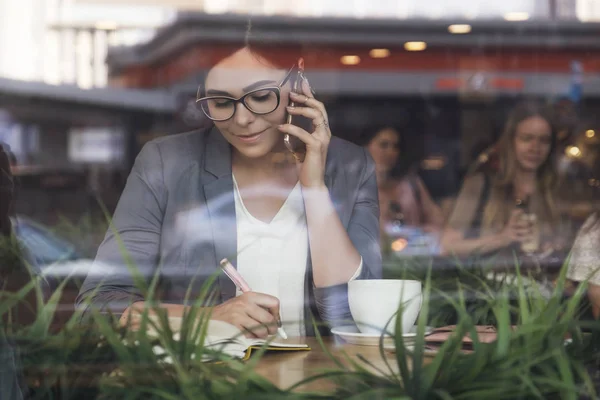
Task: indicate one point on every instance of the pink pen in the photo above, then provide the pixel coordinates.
(241, 284)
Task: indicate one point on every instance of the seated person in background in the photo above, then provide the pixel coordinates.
(584, 263)
(7, 187)
(12, 278)
(16, 264)
(297, 231)
(513, 205)
(400, 197)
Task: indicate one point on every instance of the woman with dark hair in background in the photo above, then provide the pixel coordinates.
(402, 197)
(514, 205)
(297, 231)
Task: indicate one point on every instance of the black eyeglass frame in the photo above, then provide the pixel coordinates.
(242, 99)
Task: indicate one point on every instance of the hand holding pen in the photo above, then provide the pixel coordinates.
(255, 313)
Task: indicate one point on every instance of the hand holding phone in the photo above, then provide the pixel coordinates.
(308, 135)
(293, 144)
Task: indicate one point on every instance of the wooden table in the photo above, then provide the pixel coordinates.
(288, 368)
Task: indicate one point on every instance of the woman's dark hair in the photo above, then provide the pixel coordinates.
(370, 132)
(410, 150)
(262, 41)
(267, 45)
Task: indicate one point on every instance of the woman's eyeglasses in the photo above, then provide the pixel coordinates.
(260, 101)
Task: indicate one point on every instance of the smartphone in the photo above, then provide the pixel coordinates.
(293, 144)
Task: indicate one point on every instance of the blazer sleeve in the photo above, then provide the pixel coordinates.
(363, 230)
(132, 242)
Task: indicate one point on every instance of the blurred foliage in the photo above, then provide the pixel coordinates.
(86, 233)
(481, 281)
(530, 360)
(97, 358)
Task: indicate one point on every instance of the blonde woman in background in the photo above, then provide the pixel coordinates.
(485, 218)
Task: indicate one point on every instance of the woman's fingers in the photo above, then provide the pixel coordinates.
(315, 115)
(309, 102)
(523, 224)
(300, 133)
(268, 303)
(516, 220)
(256, 314)
(263, 318)
(251, 327)
(322, 125)
(318, 119)
(523, 233)
(516, 215)
(306, 88)
(259, 314)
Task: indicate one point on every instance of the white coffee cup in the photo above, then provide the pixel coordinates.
(374, 303)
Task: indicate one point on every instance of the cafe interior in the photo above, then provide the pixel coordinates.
(462, 178)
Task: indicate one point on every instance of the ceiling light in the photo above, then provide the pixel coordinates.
(379, 53)
(516, 16)
(590, 133)
(350, 60)
(459, 28)
(415, 46)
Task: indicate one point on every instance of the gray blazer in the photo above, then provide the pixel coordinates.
(177, 213)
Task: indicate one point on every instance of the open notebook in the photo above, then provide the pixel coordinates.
(227, 338)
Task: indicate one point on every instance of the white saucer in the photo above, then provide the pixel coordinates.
(412, 333)
(352, 335)
(427, 352)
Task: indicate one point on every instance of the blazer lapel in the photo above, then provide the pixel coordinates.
(220, 204)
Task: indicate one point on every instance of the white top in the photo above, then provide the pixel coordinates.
(272, 256)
